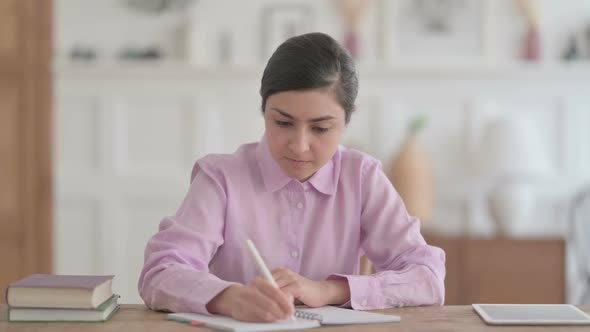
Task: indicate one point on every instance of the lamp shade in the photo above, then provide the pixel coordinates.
(512, 147)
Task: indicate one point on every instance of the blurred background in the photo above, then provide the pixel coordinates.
(478, 109)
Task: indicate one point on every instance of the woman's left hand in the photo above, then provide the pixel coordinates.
(309, 292)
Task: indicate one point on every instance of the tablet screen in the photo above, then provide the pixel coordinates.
(531, 314)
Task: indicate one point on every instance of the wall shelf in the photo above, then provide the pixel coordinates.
(181, 70)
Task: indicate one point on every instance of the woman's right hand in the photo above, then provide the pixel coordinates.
(258, 301)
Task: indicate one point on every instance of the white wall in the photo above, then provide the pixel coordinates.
(127, 134)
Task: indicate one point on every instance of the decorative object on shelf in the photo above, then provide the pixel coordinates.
(571, 51)
(436, 15)
(437, 32)
(412, 176)
(197, 35)
(158, 6)
(173, 46)
(513, 157)
(139, 54)
(225, 44)
(531, 45)
(578, 46)
(352, 12)
(83, 53)
(282, 21)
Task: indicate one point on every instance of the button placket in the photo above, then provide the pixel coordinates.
(291, 227)
(298, 215)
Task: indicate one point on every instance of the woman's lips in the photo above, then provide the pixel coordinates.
(297, 162)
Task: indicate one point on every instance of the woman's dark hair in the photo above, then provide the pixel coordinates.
(311, 61)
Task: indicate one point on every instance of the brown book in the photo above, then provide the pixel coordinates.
(59, 291)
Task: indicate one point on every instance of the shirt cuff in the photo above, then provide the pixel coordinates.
(363, 290)
(199, 295)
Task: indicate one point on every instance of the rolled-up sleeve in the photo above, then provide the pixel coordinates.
(409, 272)
(175, 276)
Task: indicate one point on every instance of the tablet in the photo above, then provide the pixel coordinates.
(531, 314)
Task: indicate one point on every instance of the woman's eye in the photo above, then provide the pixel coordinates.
(321, 129)
(282, 123)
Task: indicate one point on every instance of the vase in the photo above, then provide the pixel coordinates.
(411, 175)
(511, 206)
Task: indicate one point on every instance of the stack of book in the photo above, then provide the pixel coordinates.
(59, 298)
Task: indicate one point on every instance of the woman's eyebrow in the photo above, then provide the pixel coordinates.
(321, 118)
(285, 114)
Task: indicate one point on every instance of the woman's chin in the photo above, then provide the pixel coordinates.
(299, 174)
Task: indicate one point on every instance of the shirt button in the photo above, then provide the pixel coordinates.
(300, 205)
(294, 254)
(364, 303)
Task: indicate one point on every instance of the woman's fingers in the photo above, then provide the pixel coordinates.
(246, 303)
(258, 301)
(280, 304)
(284, 281)
(251, 311)
(283, 276)
(294, 289)
(281, 273)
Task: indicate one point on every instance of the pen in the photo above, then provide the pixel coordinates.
(261, 266)
(187, 321)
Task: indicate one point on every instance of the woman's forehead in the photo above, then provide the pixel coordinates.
(306, 104)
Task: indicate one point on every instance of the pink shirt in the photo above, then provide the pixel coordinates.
(318, 229)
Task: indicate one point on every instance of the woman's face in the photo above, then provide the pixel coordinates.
(303, 129)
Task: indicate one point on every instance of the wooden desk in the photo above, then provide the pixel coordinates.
(137, 318)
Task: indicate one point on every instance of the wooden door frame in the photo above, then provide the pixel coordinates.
(37, 136)
(25, 68)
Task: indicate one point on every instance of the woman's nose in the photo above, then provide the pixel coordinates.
(299, 142)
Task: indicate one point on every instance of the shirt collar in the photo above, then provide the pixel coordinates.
(324, 180)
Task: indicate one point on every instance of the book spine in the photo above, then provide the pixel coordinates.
(6, 295)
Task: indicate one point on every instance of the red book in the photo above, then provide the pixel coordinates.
(59, 291)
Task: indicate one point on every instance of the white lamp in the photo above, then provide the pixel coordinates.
(513, 155)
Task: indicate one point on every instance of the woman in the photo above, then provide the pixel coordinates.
(311, 206)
